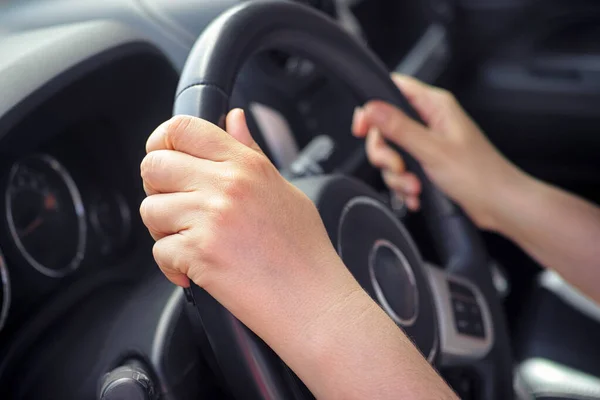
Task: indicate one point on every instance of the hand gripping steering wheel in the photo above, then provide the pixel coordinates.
(452, 314)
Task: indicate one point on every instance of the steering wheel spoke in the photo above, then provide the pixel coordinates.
(465, 324)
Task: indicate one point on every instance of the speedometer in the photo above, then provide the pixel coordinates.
(45, 214)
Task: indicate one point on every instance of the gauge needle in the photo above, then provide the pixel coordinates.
(32, 226)
(50, 202)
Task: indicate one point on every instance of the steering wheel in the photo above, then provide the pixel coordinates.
(451, 313)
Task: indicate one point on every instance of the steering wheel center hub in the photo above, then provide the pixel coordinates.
(394, 282)
(380, 253)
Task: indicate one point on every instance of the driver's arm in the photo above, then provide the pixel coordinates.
(559, 229)
(223, 217)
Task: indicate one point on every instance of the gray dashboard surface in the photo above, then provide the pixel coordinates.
(40, 40)
(172, 26)
(37, 61)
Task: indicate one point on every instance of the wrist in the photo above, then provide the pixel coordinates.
(506, 197)
(338, 313)
(329, 343)
(338, 346)
(349, 334)
(358, 352)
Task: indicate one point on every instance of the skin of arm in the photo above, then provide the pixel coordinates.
(558, 229)
(366, 356)
(209, 193)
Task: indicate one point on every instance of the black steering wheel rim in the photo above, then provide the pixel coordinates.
(205, 87)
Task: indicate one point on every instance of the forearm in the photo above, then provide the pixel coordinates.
(558, 229)
(356, 352)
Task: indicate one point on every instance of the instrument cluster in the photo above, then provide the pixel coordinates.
(52, 225)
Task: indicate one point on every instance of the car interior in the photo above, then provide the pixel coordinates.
(85, 313)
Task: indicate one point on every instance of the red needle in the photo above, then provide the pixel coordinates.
(50, 202)
(32, 226)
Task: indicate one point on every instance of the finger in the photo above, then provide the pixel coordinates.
(149, 190)
(381, 155)
(194, 136)
(168, 214)
(168, 255)
(169, 171)
(156, 236)
(407, 184)
(413, 203)
(401, 129)
(360, 127)
(433, 104)
(411, 87)
(418, 94)
(237, 126)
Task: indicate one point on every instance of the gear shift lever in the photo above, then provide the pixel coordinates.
(130, 381)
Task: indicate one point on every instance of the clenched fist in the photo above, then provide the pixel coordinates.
(223, 216)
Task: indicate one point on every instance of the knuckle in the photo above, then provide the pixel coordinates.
(258, 165)
(157, 254)
(236, 185)
(180, 261)
(174, 256)
(161, 256)
(173, 261)
(146, 209)
(145, 167)
(152, 162)
(210, 241)
(176, 129)
(222, 210)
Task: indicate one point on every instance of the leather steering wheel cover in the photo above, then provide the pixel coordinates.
(210, 73)
(205, 87)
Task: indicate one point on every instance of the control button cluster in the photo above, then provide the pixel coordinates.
(467, 313)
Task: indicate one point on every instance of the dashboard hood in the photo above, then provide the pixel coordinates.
(172, 26)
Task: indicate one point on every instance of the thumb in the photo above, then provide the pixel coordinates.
(401, 130)
(420, 95)
(434, 105)
(237, 127)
